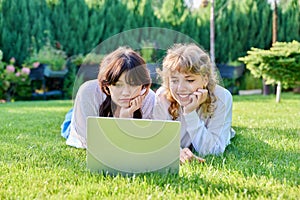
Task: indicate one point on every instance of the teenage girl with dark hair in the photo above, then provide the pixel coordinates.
(122, 90)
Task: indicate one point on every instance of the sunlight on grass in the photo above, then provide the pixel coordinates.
(262, 162)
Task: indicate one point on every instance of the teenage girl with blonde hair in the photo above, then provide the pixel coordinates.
(190, 94)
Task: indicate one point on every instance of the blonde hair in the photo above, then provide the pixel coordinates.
(189, 58)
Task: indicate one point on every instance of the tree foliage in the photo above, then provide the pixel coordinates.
(69, 20)
(23, 27)
(80, 25)
(173, 12)
(281, 63)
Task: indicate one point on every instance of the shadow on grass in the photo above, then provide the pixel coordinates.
(254, 157)
(246, 154)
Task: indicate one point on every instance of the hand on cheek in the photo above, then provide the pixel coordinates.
(134, 105)
(196, 99)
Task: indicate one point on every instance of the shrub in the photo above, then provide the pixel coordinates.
(14, 81)
(55, 58)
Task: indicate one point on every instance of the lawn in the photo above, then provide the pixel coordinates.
(263, 161)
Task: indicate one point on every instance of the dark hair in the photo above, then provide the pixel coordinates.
(112, 67)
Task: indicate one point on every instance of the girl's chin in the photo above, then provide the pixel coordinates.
(123, 104)
(183, 102)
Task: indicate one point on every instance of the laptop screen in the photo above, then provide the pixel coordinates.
(130, 146)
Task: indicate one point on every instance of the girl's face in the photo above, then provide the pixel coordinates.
(122, 93)
(182, 85)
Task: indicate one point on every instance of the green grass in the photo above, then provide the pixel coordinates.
(262, 162)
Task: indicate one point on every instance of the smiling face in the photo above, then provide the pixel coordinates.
(122, 93)
(182, 85)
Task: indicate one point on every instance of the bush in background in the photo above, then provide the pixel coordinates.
(14, 80)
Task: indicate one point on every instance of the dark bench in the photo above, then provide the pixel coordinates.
(44, 84)
(230, 75)
(231, 72)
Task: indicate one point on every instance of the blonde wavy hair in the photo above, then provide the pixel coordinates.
(189, 58)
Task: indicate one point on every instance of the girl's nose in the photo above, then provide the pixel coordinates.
(181, 85)
(126, 89)
(184, 86)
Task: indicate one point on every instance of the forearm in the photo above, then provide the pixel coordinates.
(206, 140)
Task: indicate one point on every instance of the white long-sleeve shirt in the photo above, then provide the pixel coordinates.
(208, 136)
(87, 103)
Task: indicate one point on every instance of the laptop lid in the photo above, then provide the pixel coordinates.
(131, 146)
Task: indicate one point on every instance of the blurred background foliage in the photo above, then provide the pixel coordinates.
(78, 26)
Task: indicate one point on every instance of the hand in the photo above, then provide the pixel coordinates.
(196, 99)
(187, 155)
(134, 104)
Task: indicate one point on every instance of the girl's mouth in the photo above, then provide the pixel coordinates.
(125, 99)
(183, 95)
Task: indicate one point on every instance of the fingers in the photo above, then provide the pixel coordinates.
(188, 152)
(136, 103)
(187, 156)
(144, 92)
(182, 160)
(200, 95)
(193, 98)
(200, 160)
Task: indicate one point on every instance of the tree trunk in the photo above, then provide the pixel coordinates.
(212, 32)
(267, 88)
(278, 92)
(274, 39)
(274, 35)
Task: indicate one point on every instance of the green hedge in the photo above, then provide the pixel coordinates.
(79, 25)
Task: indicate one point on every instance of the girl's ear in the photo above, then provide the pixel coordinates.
(205, 81)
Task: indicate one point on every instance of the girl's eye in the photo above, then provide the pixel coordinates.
(190, 80)
(174, 81)
(119, 85)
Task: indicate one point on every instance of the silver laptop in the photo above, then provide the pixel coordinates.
(132, 146)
